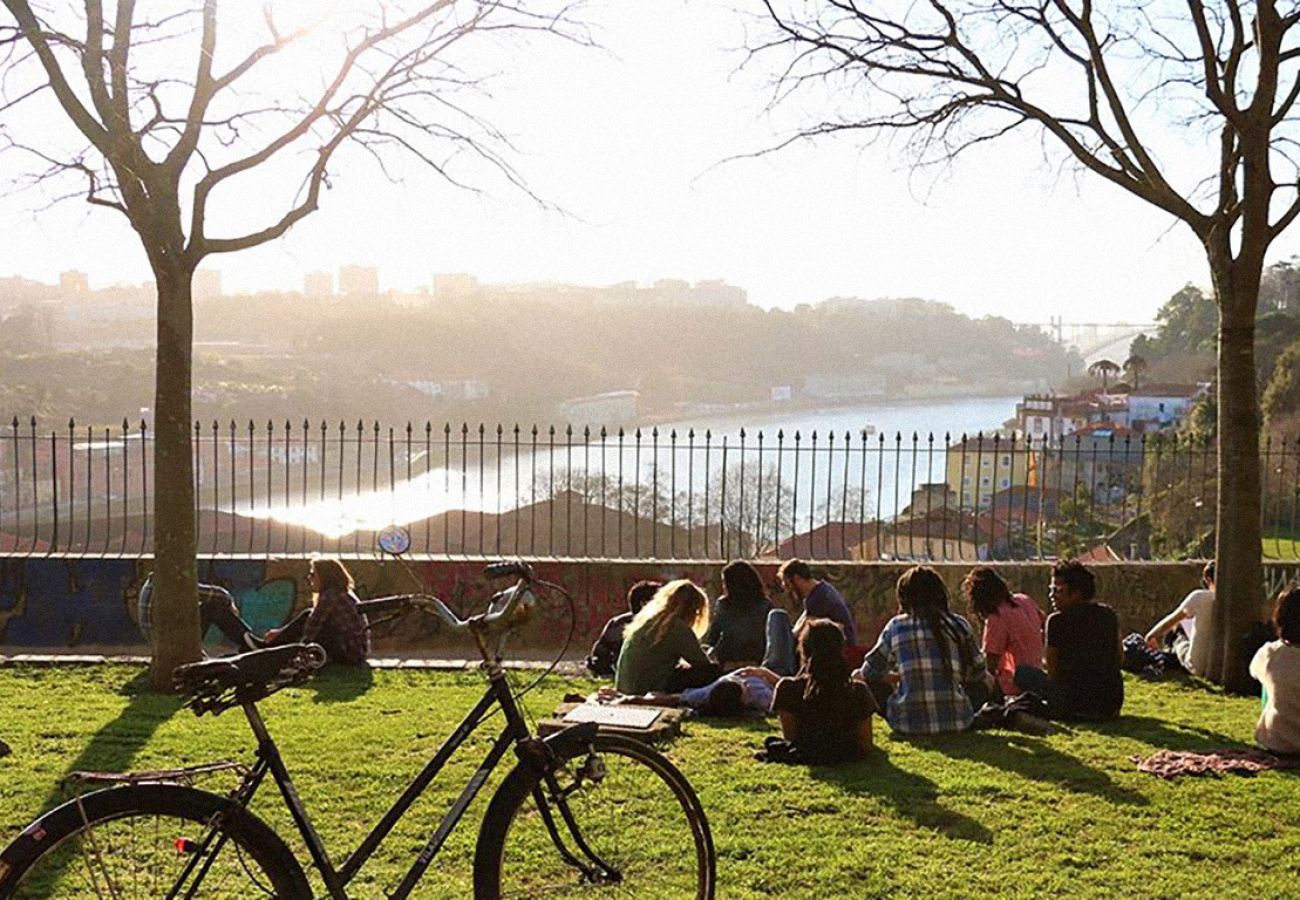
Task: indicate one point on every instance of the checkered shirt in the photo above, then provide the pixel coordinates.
(925, 702)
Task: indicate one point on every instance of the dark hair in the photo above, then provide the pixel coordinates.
(821, 652)
(794, 568)
(332, 573)
(922, 593)
(986, 590)
(1076, 575)
(1286, 614)
(1207, 574)
(742, 586)
(639, 594)
(726, 700)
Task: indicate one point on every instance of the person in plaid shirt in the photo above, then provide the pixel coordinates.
(926, 664)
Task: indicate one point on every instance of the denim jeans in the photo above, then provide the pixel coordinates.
(779, 657)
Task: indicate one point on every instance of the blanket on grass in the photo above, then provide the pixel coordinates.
(1233, 760)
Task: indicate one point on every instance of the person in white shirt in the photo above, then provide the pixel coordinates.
(1187, 630)
(1276, 667)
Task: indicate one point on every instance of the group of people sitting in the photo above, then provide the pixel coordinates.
(929, 671)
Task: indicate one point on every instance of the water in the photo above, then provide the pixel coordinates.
(823, 472)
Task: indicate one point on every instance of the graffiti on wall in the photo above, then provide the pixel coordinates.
(92, 603)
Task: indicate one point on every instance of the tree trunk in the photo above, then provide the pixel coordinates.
(176, 613)
(1239, 573)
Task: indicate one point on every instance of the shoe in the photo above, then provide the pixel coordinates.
(1030, 724)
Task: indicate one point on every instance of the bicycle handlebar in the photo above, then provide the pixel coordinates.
(519, 599)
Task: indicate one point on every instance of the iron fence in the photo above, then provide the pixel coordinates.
(563, 492)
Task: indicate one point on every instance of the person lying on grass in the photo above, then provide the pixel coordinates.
(745, 691)
(926, 671)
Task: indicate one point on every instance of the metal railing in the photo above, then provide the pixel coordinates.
(300, 488)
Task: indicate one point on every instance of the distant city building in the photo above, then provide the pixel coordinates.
(454, 285)
(74, 282)
(207, 283)
(318, 284)
(613, 408)
(1162, 405)
(359, 281)
(979, 467)
(453, 388)
(836, 386)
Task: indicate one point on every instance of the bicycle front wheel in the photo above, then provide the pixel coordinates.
(615, 819)
(149, 840)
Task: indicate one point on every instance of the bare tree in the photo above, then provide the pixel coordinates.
(181, 108)
(1107, 84)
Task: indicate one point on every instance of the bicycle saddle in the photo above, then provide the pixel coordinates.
(215, 685)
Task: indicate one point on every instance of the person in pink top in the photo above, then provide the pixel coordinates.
(1013, 626)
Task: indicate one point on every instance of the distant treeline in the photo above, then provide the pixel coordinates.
(267, 357)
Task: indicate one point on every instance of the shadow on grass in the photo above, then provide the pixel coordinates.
(114, 747)
(1161, 734)
(912, 796)
(1031, 758)
(341, 684)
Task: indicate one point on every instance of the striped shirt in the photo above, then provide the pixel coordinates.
(926, 702)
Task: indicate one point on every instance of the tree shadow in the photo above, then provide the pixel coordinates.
(912, 796)
(1031, 758)
(341, 684)
(1161, 733)
(114, 747)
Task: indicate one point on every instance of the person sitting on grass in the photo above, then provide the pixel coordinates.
(818, 598)
(1013, 626)
(738, 623)
(1082, 655)
(1186, 631)
(926, 671)
(604, 653)
(333, 620)
(661, 647)
(1276, 666)
(825, 714)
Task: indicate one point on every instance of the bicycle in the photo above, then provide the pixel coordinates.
(571, 816)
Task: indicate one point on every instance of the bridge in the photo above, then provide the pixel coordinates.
(1095, 340)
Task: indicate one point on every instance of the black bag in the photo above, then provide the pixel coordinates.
(1001, 713)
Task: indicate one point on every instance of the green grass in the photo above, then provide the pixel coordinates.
(991, 814)
(1285, 548)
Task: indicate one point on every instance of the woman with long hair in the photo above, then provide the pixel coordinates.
(738, 623)
(661, 646)
(1013, 626)
(334, 620)
(825, 714)
(925, 661)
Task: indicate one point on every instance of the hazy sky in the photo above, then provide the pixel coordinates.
(627, 142)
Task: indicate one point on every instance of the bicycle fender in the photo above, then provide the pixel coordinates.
(543, 754)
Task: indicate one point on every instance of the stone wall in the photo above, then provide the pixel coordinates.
(89, 605)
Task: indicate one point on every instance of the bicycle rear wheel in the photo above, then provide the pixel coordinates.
(149, 840)
(615, 819)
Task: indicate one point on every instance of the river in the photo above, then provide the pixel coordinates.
(819, 468)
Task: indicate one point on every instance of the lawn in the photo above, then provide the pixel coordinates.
(1282, 547)
(989, 814)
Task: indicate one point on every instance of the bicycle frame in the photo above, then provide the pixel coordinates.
(514, 733)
